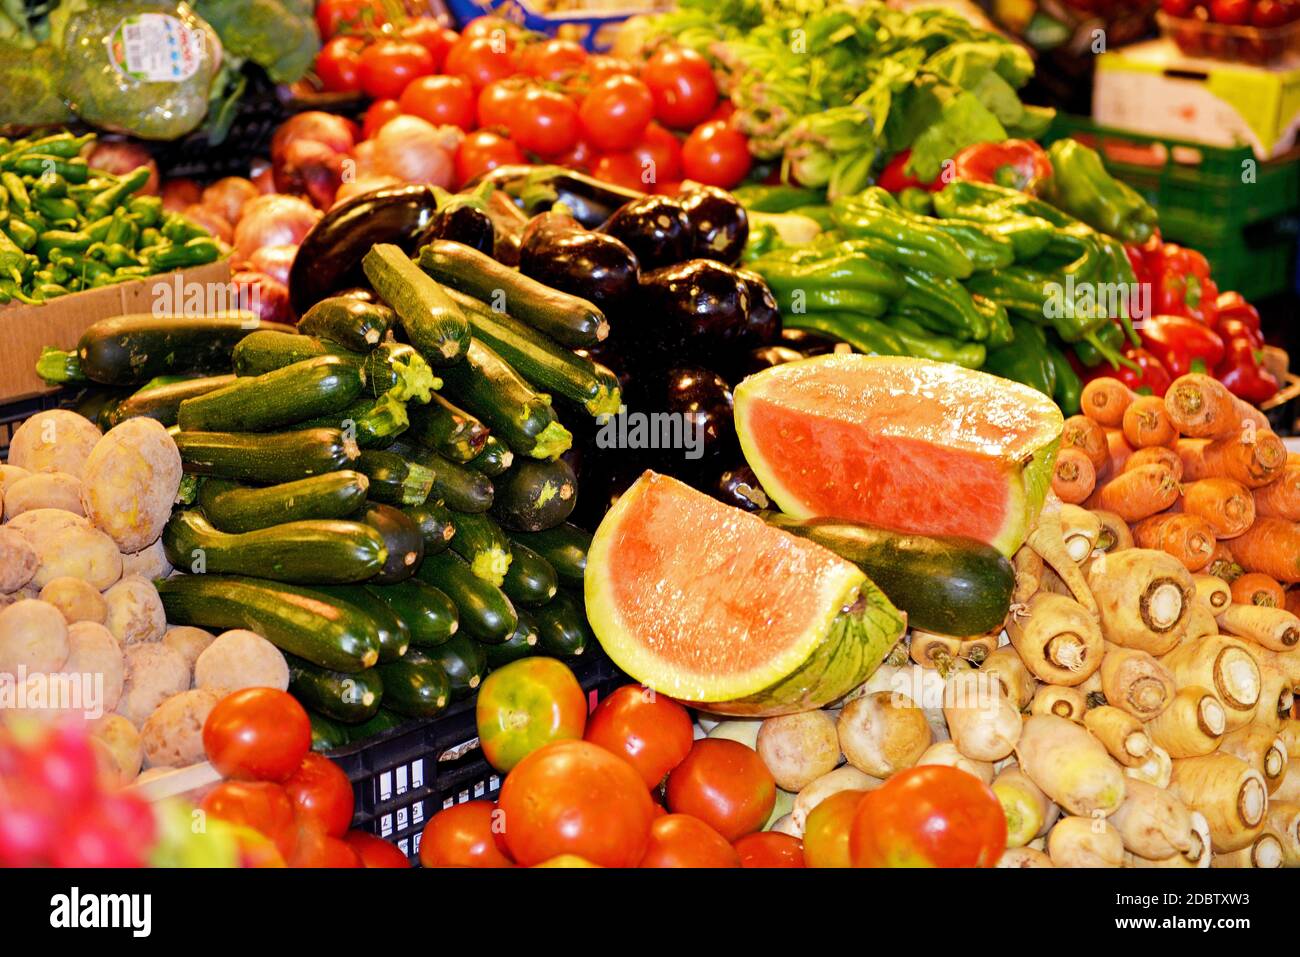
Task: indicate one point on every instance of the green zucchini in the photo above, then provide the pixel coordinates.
(520, 416)
(429, 614)
(562, 628)
(397, 369)
(567, 319)
(163, 402)
(530, 580)
(402, 538)
(564, 546)
(465, 663)
(373, 423)
(308, 552)
(450, 431)
(433, 323)
(266, 459)
(521, 643)
(326, 733)
(384, 720)
(415, 686)
(388, 367)
(394, 634)
(266, 351)
(534, 496)
(393, 479)
(460, 487)
(352, 323)
(485, 612)
(350, 698)
(298, 621)
(946, 584)
(234, 508)
(434, 520)
(480, 541)
(272, 400)
(495, 458)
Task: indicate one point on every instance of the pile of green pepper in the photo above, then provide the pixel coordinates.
(65, 226)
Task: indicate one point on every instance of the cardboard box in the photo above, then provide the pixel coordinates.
(26, 330)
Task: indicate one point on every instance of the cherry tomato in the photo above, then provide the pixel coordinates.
(480, 60)
(498, 102)
(442, 100)
(464, 835)
(716, 154)
(572, 797)
(545, 123)
(826, 831)
(335, 15)
(682, 83)
(679, 840)
(320, 789)
(433, 36)
(615, 113)
(259, 734)
(1269, 13)
(770, 849)
(484, 150)
(263, 806)
(379, 113)
(375, 851)
(660, 154)
(525, 705)
(388, 66)
(602, 67)
(724, 111)
(724, 784)
(647, 729)
(621, 169)
(1231, 12)
(338, 65)
(929, 816)
(553, 59)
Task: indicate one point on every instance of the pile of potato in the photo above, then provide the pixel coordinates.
(80, 546)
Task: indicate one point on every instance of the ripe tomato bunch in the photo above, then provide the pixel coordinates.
(1235, 13)
(1245, 30)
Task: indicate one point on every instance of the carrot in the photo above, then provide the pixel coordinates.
(1186, 537)
(1223, 564)
(1120, 453)
(1293, 601)
(1202, 407)
(1104, 401)
(1254, 458)
(1156, 455)
(1281, 498)
(1074, 477)
(1255, 588)
(1146, 423)
(1271, 546)
(1227, 506)
(1138, 494)
(1087, 436)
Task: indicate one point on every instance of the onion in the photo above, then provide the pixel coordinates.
(227, 197)
(274, 261)
(267, 297)
(211, 220)
(334, 131)
(121, 157)
(179, 193)
(260, 172)
(273, 220)
(311, 169)
(415, 151)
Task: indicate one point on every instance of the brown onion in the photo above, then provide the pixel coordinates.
(211, 220)
(274, 261)
(273, 220)
(227, 197)
(179, 193)
(334, 131)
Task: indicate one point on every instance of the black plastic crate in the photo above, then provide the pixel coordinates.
(405, 776)
(14, 414)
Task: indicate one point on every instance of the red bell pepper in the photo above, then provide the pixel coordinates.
(1182, 345)
(1183, 287)
(893, 179)
(1149, 378)
(1016, 164)
(1229, 329)
(1232, 305)
(1242, 373)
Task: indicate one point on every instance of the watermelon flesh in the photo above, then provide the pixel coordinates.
(710, 605)
(909, 444)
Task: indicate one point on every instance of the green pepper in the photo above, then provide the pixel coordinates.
(1019, 289)
(846, 270)
(900, 239)
(1000, 332)
(1068, 385)
(1082, 186)
(113, 197)
(115, 255)
(36, 166)
(57, 209)
(916, 200)
(149, 238)
(181, 229)
(17, 189)
(122, 230)
(147, 211)
(1111, 339)
(866, 335)
(819, 213)
(776, 198)
(986, 249)
(22, 234)
(947, 299)
(50, 290)
(61, 239)
(13, 261)
(920, 343)
(1118, 270)
(833, 299)
(1025, 360)
(98, 230)
(63, 145)
(195, 252)
(11, 291)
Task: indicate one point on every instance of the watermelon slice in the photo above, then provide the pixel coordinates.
(711, 605)
(910, 444)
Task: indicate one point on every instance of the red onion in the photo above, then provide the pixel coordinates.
(261, 175)
(311, 169)
(274, 261)
(121, 157)
(273, 221)
(415, 151)
(179, 193)
(334, 131)
(227, 197)
(267, 297)
(211, 220)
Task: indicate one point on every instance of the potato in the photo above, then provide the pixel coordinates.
(22, 594)
(10, 474)
(150, 562)
(92, 650)
(33, 636)
(241, 659)
(845, 778)
(190, 642)
(122, 744)
(67, 544)
(53, 441)
(130, 482)
(173, 735)
(43, 490)
(135, 612)
(799, 748)
(76, 600)
(154, 673)
(18, 561)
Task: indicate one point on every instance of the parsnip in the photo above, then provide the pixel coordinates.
(1290, 735)
(1274, 628)
(845, 778)
(1115, 535)
(1212, 592)
(1070, 765)
(1057, 639)
(1192, 725)
(1024, 857)
(1028, 568)
(1006, 665)
(882, 733)
(1284, 821)
(1080, 530)
(1198, 855)
(1048, 540)
(977, 649)
(1262, 749)
(931, 650)
(1230, 793)
(1024, 804)
(1200, 623)
(946, 753)
(1121, 734)
(1265, 852)
(1136, 682)
(1157, 769)
(983, 722)
(1085, 842)
(1152, 822)
(1143, 598)
(1226, 666)
(1289, 790)
(798, 748)
(1059, 700)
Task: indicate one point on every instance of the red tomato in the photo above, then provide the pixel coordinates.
(572, 797)
(929, 816)
(682, 83)
(1178, 8)
(724, 110)
(526, 704)
(724, 784)
(388, 66)
(826, 831)
(314, 848)
(264, 807)
(338, 64)
(621, 169)
(433, 36)
(567, 860)
(1232, 12)
(545, 123)
(602, 67)
(647, 729)
(335, 15)
(480, 60)
(553, 59)
(679, 840)
(490, 27)
(716, 154)
(258, 734)
(375, 851)
(442, 100)
(770, 849)
(379, 113)
(615, 113)
(484, 150)
(464, 835)
(1269, 13)
(660, 154)
(580, 157)
(498, 102)
(321, 790)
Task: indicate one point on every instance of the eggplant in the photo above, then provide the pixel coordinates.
(594, 266)
(740, 487)
(721, 224)
(765, 357)
(329, 257)
(763, 321)
(704, 395)
(461, 223)
(655, 228)
(808, 343)
(696, 308)
(537, 188)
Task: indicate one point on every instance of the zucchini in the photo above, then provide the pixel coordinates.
(562, 628)
(234, 508)
(568, 319)
(298, 621)
(397, 369)
(308, 552)
(946, 584)
(402, 538)
(459, 486)
(520, 416)
(326, 733)
(415, 686)
(450, 431)
(429, 614)
(384, 720)
(265, 351)
(480, 541)
(530, 580)
(435, 523)
(534, 496)
(163, 402)
(393, 479)
(521, 643)
(350, 698)
(432, 322)
(394, 634)
(389, 367)
(266, 459)
(299, 391)
(465, 663)
(353, 323)
(485, 611)
(495, 458)
(373, 423)
(564, 546)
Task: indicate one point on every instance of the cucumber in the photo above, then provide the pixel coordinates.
(301, 622)
(448, 430)
(309, 552)
(415, 686)
(460, 487)
(520, 416)
(567, 319)
(485, 611)
(394, 634)
(265, 351)
(326, 733)
(394, 480)
(402, 538)
(562, 628)
(534, 496)
(495, 458)
(480, 541)
(373, 423)
(266, 459)
(352, 323)
(429, 614)
(299, 391)
(234, 508)
(163, 402)
(946, 584)
(564, 546)
(350, 698)
(521, 643)
(384, 720)
(530, 581)
(465, 663)
(434, 520)
(432, 322)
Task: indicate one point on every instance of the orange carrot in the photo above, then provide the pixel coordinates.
(1138, 494)
(1281, 498)
(1146, 423)
(1293, 600)
(1087, 436)
(1227, 506)
(1223, 564)
(1074, 477)
(1186, 537)
(1255, 588)
(1157, 455)
(1200, 406)
(1271, 546)
(1293, 458)
(1120, 451)
(1254, 458)
(1104, 401)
